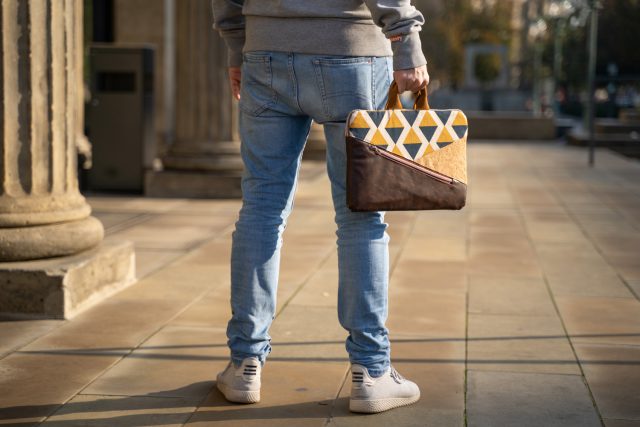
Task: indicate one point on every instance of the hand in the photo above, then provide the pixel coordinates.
(413, 79)
(235, 76)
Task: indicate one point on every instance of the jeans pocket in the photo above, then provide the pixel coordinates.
(256, 89)
(346, 84)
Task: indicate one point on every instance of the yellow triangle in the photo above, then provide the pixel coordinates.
(460, 119)
(359, 122)
(394, 121)
(445, 136)
(397, 151)
(429, 150)
(428, 120)
(378, 139)
(412, 138)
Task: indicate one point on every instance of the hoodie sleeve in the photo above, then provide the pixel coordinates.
(229, 22)
(400, 22)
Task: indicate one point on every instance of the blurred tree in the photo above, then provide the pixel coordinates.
(451, 24)
(487, 67)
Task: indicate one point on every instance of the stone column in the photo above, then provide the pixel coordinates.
(42, 213)
(204, 159)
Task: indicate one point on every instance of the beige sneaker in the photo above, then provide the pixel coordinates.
(241, 384)
(370, 395)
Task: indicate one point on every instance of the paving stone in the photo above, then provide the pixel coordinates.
(150, 236)
(578, 269)
(600, 320)
(506, 295)
(178, 361)
(613, 374)
(16, 333)
(435, 248)
(422, 313)
(519, 399)
(520, 344)
(34, 385)
(320, 290)
(495, 220)
(130, 411)
(441, 276)
(149, 260)
(500, 240)
(608, 422)
(317, 338)
(497, 263)
(626, 265)
(116, 220)
(133, 204)
(213, 310)
(293, 393)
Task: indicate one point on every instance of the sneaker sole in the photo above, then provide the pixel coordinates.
(239, 396)
(380, 405)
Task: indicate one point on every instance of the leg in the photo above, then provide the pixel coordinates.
(363, 263)
(363, 256)
(272, 143)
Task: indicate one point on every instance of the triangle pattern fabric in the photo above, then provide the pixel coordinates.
(412, 149)
(394, 133)
(360, 133)
(443, 115)
(428, 131)
(359, 122)
(460, 130)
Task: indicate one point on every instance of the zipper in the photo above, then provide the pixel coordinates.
(401, 160)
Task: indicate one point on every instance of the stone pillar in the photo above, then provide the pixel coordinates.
(42, 213)
(204, 159)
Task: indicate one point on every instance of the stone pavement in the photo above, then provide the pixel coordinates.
(520, 310)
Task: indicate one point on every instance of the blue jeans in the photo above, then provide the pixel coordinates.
(281, 93)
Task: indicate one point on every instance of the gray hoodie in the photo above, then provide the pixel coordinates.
(323, 27)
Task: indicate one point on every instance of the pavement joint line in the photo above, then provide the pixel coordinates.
(132, 349)
(557, 309)
(334, 401)
(394, 263)
(122, 357)
(467, 244)
(318, 268)
(595, 245)
(128, 223)
(503, 371)
(466, 353)
(284, 305)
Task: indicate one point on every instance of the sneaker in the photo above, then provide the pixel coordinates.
(370, 395)
(241, 384)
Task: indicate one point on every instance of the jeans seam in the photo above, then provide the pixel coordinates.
(373, 84)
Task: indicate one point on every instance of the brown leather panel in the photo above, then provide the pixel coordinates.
(374, 183)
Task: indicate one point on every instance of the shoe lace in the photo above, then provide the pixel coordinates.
(396, 376)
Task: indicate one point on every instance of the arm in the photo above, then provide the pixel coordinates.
(229, 21)
(401, 23)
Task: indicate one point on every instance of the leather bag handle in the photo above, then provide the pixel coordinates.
(393, 102)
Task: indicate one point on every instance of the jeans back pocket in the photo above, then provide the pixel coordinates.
(256, 89)
(346, 84)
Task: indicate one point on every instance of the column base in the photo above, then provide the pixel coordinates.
(193, 184)
(63, 287)
(50, 240)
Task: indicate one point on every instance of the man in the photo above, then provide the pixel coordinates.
(291, 61)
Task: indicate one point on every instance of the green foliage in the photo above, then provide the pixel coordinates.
(451, 24)
(487, 67)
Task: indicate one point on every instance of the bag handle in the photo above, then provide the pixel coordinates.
(393, 102)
